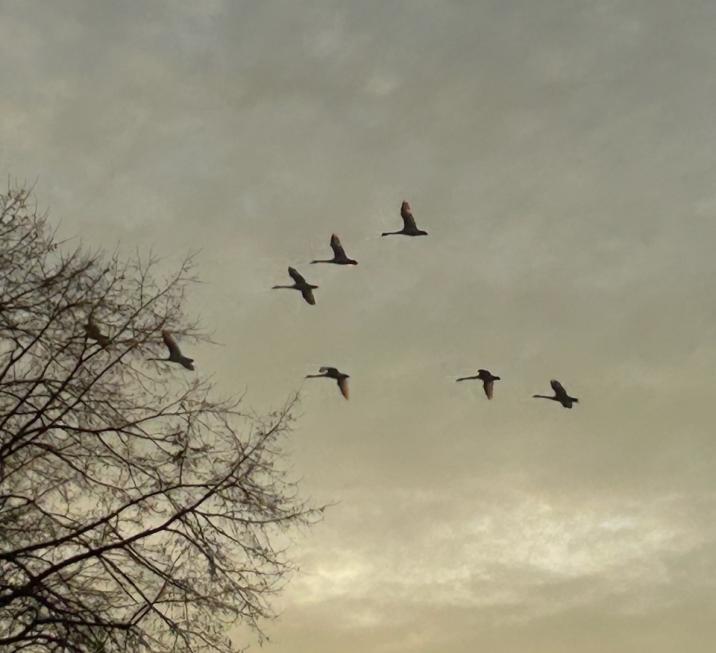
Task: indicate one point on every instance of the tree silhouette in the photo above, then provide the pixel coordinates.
(137, 512)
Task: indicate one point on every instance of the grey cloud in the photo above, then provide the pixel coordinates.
(561, 157)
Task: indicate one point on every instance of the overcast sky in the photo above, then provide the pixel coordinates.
(562, 155)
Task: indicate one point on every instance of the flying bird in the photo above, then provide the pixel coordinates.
(339, 254)
(333, 373)
(302, 285)
(488, 381)
(175, 355)
(409, 226)
(93, 332)
(560, 395)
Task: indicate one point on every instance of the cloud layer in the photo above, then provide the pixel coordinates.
(561, 155)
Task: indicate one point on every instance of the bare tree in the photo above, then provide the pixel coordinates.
(137, 512)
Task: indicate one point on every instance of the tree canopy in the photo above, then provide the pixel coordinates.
(137, 510)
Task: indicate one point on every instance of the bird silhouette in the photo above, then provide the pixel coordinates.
(93, 332)
(409, 226)
(175, 355)
(339, 254)
(333, 373)
(487, 378)
(560, 395)
(302, 285)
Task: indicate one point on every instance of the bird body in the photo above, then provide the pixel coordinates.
(410, 228)
(339, 254)
(175, 355)
(333, 373)
(488, 381)
(560, 395)
(93, 332)
(306, 289)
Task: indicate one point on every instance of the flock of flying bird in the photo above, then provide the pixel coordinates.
(410, 228)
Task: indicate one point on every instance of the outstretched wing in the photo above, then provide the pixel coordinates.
(343, 386)
(407, 215)
(559, 390)
(488, 387)
(92, 330)
(296, 276)
(330, 371)
(171, 344)
(308, 294)
(337, 248)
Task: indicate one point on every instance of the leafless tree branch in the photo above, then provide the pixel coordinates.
(137, 512)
